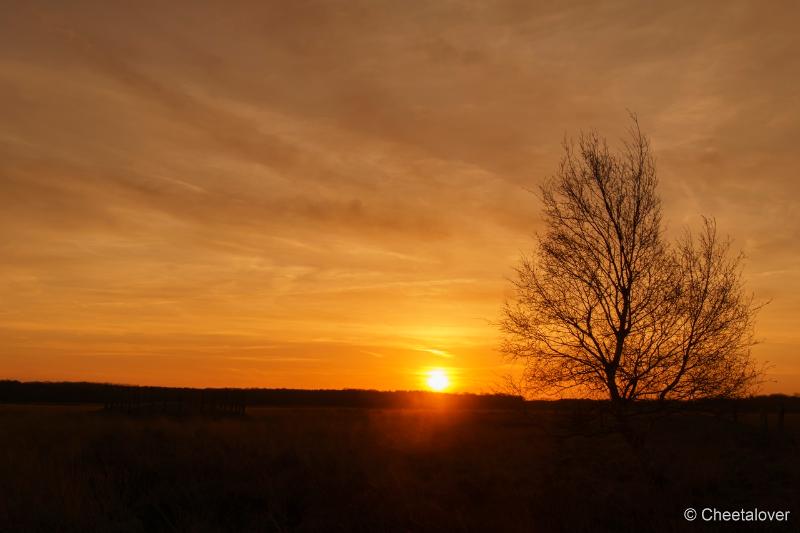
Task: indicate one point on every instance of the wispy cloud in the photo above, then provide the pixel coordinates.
(353, 174)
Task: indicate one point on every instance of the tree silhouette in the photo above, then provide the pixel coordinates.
(608, 307)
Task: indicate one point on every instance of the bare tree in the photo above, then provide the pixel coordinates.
(607, 307)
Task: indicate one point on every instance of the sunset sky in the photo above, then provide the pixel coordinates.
(332, 194)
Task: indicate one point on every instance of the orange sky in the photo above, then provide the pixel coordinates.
(330, 194)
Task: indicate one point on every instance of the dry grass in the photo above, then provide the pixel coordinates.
(325, 469)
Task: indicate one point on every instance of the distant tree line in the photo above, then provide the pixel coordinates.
(105, 393)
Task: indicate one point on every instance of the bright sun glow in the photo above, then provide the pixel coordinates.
(438, 380)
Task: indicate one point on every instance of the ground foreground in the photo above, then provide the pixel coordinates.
(328, 469)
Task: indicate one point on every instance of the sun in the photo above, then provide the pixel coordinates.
(438, 380)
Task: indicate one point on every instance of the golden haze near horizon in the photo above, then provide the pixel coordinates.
(331, 194)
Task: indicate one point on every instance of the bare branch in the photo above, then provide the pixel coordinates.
(607, 306)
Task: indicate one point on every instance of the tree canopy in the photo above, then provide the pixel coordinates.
(606, 306)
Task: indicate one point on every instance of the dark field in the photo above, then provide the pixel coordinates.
(327, 469)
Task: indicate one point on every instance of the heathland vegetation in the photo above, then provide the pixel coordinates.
(308, 466)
